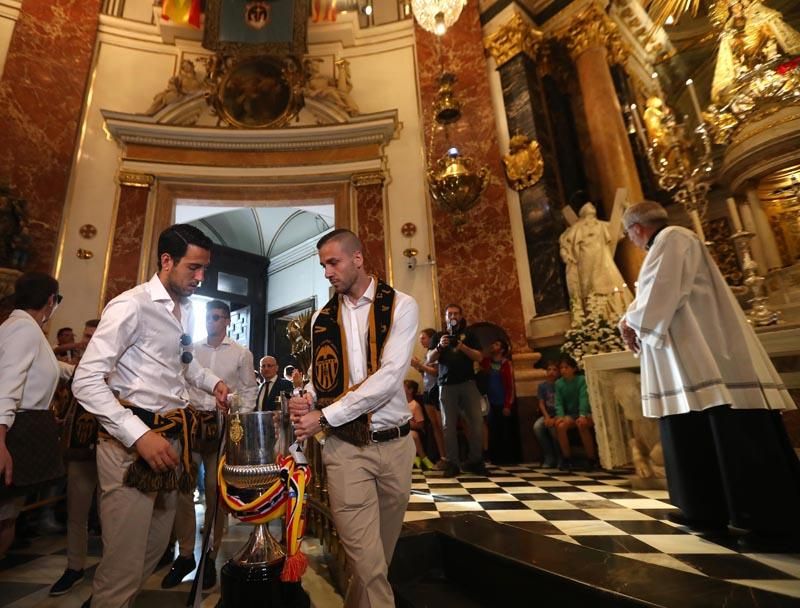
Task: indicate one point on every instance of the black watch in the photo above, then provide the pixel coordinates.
(323, 423)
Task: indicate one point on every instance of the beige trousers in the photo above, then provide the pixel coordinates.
(136, 528)
(185, 519)
(368, 489)
(81, 488)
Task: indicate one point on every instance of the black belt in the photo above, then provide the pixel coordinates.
(389, 434)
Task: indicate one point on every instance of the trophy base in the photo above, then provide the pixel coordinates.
(259, 585)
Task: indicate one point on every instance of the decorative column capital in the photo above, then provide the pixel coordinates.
(515, 37)
(593, 28)
(135, 180)
(368, 178)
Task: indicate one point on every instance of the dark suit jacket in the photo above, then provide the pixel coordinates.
(266, 403)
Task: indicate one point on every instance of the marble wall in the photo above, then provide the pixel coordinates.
(369, 210)
(476, 263)
(42, 93)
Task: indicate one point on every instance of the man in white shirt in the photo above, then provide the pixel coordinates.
(272, 386)
(357, 387)
(134, 378)
(718, 398)
(234, 364)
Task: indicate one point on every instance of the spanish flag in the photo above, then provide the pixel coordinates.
(182, 11)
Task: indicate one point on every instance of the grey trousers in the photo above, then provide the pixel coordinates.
(465, 400)
(369, 489)
(136, 528)
(81, 488)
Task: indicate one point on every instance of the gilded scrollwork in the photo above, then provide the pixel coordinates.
(515, 37)
(524, 164)
(593, 28)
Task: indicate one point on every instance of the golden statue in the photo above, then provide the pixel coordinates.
(751, 35)
(299, 333)
(664, 134)
(523, 163)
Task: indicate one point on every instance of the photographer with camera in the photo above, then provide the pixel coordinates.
(457, 351)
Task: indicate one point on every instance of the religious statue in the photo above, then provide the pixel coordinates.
(645, 445)
(751, 35)
(587, 251)
(178, 87)
(323, 10)
(336, 91)
(523, 163)
(664, 135)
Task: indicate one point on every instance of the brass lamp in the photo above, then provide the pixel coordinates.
(454, 181)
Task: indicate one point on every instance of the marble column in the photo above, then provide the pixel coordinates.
(515, 49)
(749, 224)
(475, 262)
(594, 42)
(122, 267)
(370, 219)
(763, 231)
(41, 93)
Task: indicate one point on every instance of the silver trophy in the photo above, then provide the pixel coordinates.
(253, 442)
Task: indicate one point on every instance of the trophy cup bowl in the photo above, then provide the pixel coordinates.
(253, 442)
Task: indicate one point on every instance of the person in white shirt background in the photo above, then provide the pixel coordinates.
(139, 355)
(29, 373)
(362, 409)
(234, 364)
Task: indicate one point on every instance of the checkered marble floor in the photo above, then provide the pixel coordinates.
(599, 510)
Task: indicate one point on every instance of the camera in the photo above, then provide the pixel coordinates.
(452, 332)
(411, 262)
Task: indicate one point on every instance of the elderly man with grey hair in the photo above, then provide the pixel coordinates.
(719, 399)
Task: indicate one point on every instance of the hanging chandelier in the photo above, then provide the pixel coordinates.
(436, 16)
(454, 181)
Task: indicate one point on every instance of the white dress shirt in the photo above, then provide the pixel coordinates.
(29, 371)
(136, 352)
(234, 364)
(381, 393)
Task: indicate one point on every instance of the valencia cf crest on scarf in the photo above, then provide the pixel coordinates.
(326, 365)
(257, 14)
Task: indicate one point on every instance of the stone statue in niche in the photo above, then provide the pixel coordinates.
(587, 251)
(645, 445)
(336, 91)
(185, 83)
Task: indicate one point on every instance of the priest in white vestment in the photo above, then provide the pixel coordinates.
(707, 378)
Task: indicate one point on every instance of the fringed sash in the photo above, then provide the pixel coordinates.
(177, 423)
(329, 349)
(285, 497)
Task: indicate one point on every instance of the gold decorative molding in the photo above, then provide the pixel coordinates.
(524, 164)
(135, 180)
(369, 178)
(593, 28)
(515, 37)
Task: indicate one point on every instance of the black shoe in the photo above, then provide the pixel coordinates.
(566, 465)
(451, 470)
(68, 580)
(180, 568)
(166, 559)
(478, 468)
(209, 574)
(753, 542)
(87, 603)
(697, 525)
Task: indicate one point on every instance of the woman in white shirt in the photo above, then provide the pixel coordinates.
(29, 373)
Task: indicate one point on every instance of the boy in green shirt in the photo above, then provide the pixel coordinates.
(573, 410)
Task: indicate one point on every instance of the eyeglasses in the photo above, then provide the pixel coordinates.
(186, 356)
(215, 317)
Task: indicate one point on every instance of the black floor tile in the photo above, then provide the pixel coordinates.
(504, 505)
(535, 496)
(453, 498)
(555, 489)
(486, 490)
(731, 566)
(512, 484)
(540, 527)
(617, 495)
(12, 560)
(655, 513)
(565, 514)
(616, 544)
(421, 506)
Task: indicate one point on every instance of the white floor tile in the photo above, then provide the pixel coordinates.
(587, 527)
(682, 544)
(620, 514)
(525, 490)
(479, 484)
(495, 497)
(420, 498)
(791, 588)
(641, 503)
(564, 537)
(515, 515)
(578, 496)
(419, 515)
(548, 505)
(458, 506)
(662, 559)
(790, 564)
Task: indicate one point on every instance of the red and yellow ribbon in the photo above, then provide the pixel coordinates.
(285, 497)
